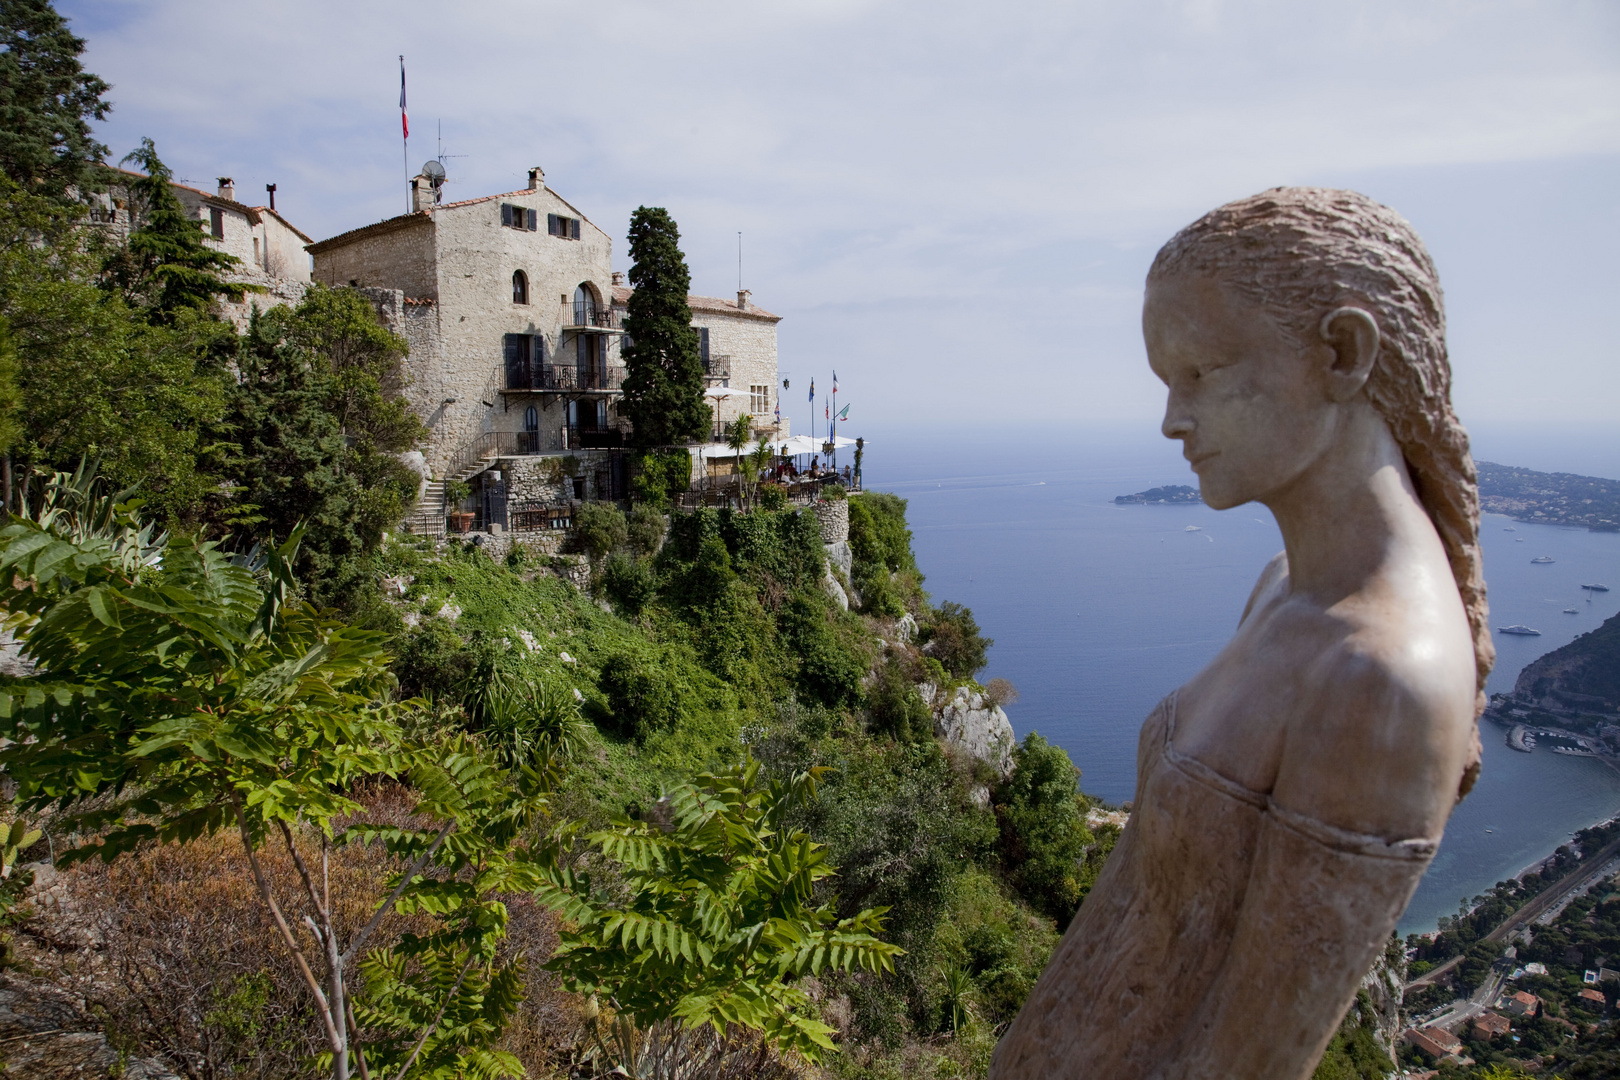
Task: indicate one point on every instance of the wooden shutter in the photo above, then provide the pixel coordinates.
(506, 214)
(531, 216)
(551, 224)
(573, 228)
(703, 345)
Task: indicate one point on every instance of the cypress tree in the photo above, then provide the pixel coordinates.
(46, 101)
(663, 383)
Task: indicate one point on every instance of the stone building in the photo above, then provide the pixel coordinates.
(514, 318)
(270, 248)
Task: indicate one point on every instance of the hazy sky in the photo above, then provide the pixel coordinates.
(953, 204)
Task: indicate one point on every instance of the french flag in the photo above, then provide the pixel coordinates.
(404, 120)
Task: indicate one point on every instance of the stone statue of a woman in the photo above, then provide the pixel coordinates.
(1291, 795)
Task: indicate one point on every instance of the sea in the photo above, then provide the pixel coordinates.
(1099, 610)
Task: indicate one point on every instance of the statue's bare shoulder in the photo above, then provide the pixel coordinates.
(1384, 722)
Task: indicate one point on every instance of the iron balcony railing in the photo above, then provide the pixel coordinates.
(533, 515)
(589, 315)
(563, 378)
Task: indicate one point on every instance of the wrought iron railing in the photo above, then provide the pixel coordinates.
(589, 315)
(564, 377)
(532, 515)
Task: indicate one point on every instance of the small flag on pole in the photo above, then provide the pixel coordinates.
(843, 414)
(812, 392)
(404, 120)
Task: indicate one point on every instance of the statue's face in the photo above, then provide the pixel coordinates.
(1248, 404)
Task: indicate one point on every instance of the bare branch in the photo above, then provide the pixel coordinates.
(333, 1036)
(303, 872)
(405, 879)
(354, 1040)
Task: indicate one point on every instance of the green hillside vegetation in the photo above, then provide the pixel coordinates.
(1588, 666)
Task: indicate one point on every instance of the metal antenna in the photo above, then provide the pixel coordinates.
(739, 260)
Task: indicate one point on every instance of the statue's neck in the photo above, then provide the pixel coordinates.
(1345, 516)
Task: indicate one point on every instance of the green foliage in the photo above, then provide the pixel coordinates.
(952, 637)
(663, 383)
(601, 529)
(645, 530)
(642, 692)
(1353, 1053)
(895, 708)
(629, 583)
(92, 377)
(1043, 831)
(318, 421)
(772, 497)
(661, 476)
(46, 101)
(881, 545)
(997, 943)
(176, 695)
(720, 920)
(165, 267)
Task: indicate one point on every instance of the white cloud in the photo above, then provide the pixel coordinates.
(925, 189)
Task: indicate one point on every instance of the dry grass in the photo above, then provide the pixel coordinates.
(173, 949)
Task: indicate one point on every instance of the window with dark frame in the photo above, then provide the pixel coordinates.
(703, 347)
(563, 226)
(519, 217)
(520, 287)
(216, 222)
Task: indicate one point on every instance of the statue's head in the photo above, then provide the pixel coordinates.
(1331, 268)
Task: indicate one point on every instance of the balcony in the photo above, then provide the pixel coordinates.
(562, 379)
(589, 318)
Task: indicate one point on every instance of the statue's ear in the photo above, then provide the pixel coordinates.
(1352, 334)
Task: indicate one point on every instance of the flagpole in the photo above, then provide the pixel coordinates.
(405, 135)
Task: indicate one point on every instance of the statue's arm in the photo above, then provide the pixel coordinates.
(1359, 802)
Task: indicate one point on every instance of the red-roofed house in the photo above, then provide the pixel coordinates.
(1434, 1041)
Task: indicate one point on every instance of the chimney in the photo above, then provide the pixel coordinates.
(271, 188)
(537, 178)
(227, 188)
(421, 194)
(618, 277)
(742, 299)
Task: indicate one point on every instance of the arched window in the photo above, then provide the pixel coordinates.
(531, 419)
(584, 306)
(520, 287)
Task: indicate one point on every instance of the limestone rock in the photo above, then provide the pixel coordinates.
(835, 590)
(978, 726)
(905, 631)
(46, 1032)
(841, 557)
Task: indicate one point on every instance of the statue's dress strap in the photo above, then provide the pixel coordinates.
(1330, 836)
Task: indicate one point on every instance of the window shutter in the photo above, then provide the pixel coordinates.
(551, 224)
(506, 213)
(532, 217)
(703, 345)
(573, 227)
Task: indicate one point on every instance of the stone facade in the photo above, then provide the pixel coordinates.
(457, 264)
(270, 248)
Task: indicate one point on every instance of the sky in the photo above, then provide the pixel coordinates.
(953, 205)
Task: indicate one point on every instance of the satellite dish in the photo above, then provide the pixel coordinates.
(434, 172)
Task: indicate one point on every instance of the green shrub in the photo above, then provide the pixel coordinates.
(646, 530)
(644, 690)
(895, 708)
(952, 637)
(628, 583)
(1041, 816)
(771, 496)
(881, 545)
(432, 661)
(601, 529)
(660, 477)
(830, 664)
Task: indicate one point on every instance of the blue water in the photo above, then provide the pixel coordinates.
(1099, 610)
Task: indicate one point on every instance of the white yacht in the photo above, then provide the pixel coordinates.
(1523, 631)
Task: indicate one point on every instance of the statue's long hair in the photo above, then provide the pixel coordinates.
(1299, 253)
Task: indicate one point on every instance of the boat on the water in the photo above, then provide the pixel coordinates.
(1596, 588)
(1195, 528)
(1524, 631)
(1542, 559)
(1572, 611)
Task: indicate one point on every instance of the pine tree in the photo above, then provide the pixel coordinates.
(46, 99)
(663, 384)
(166, 265)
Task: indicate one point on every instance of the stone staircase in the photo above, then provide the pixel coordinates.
(428, 517)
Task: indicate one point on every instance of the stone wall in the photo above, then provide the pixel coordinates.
(743, 342)
(832, 517)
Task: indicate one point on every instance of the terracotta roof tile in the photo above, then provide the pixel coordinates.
(711, 304)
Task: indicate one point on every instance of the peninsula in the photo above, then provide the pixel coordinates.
(1171, 493)
(1550, 498)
